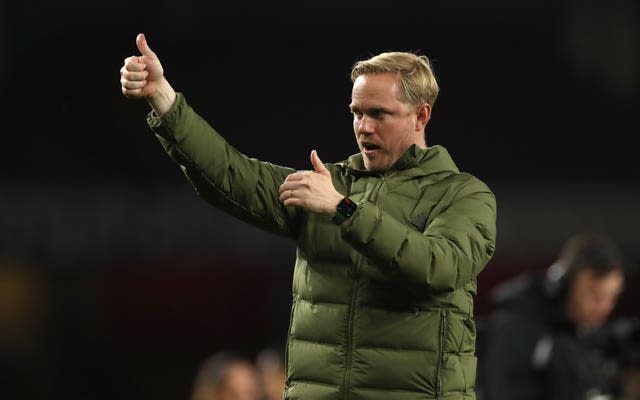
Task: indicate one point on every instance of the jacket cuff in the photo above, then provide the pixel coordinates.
(374, 233)
(164, 125)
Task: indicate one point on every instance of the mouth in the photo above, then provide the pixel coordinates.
(369, 148)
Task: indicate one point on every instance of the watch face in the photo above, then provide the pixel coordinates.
(344, 210)
(346, 207)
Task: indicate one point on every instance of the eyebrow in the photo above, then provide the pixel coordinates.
(369, 110)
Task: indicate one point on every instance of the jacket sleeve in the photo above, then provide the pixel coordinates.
(451, 251)
(242, 186)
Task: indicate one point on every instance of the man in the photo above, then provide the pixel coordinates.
(546, 338)
(390, 241)
(226, 376)
(270, 366)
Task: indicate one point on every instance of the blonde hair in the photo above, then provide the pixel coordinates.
(415, 73)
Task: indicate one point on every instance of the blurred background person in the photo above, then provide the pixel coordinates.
(226, 376)
(542, 103)
(547, 336)
(631, 383)
(271, 370)
(623, 346)
(24, 372)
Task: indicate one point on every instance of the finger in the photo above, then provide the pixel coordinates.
(133, 84)
(134, 64)
(296, 176)
(291, 199)
(318, 166)
(286, 195)
(292, 185)
(295, 202)
(133, 93)
(143, 46)
(284, 187)
(134, 76)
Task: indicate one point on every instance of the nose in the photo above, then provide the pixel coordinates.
(365, 125)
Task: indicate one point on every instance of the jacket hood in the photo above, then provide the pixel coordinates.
(415, 161)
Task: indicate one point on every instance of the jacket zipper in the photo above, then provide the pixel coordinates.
(286, 349)
(443, 323)
(373, 197)
(347, 373)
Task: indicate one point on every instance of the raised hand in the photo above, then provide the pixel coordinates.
(142, 77)
(311, 190)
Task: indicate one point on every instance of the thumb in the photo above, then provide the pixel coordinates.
(141, 42)
(318, 166)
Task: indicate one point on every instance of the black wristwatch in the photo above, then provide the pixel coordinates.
(344, 210)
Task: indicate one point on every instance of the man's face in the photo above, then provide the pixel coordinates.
(385, 127)
(241, 383)
(591, 298)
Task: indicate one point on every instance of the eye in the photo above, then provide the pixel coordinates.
(377, 113)
(356, 113)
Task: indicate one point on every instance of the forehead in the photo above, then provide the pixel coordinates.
(381, 87)
(611, 282)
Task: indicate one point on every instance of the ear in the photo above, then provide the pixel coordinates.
(423, 115)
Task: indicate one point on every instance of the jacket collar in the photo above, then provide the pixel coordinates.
(415, 161)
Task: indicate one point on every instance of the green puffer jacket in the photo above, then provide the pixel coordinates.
(382, 304)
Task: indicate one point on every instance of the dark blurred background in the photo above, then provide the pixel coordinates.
(116, 280)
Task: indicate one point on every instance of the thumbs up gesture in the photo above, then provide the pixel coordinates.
(311, 190)
(142, 77)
